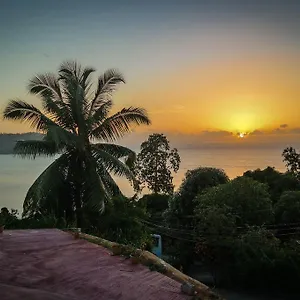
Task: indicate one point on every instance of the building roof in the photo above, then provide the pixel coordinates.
(51, 264)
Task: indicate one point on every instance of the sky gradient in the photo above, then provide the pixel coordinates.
(204, 70)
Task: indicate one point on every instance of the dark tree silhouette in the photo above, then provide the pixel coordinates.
(73, 116)
(155, 164)
(292, 161)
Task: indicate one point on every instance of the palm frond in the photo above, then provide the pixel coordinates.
(107, 84)
(119, 124)
(95, 192)
(33, 148)
(109, 183)
(61, 138)
(100, 114)
(111, 163)
(84, 77)
(46, 185)
(75, 99)
(49, 88)
(46, 85)
(24, 112)
(70, 68)
(60, 112)
(117, 151)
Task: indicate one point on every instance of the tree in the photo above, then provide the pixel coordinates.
(287, 209)
(181, 211)
(222, 213)
(277, 182)
(292, 159)
(155, 204)
(155, 164)
(248, 200)
(121, 222)
(182, 205)
(73, 116)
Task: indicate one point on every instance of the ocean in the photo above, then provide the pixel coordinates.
(17, 174)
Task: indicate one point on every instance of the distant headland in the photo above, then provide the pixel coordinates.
(8, 140)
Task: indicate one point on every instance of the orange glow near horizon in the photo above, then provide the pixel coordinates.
(238, 96)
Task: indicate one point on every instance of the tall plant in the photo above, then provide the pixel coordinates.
(73, 116)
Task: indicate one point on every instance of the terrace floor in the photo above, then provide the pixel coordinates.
(51, 264)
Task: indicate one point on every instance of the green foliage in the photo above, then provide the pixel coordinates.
(72, 118)
(287, 209)
(11, 221)
(155, 205)
(262, 261)
(214, 221)
(232, 242)
(220, 212)
(155, 164)
(196, 181)
(277, 182)
(121, 222)
(181, 211)
(292, 159)
(244, 198)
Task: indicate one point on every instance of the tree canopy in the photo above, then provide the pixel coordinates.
(287, 209)
(155, 164)
(292, 159)
(195, 182)
(73, 117)
(244, 199)
(277, 182)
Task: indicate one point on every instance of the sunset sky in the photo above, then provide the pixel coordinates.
(205, 70)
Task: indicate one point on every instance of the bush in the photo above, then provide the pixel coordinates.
(180, 213)
(121, 222)
(262, 261)
(195, 182)
(287, 209)
(277, 182)
(244, 198)
(155, 204)
(36, 221)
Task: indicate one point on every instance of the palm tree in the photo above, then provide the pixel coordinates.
(73, 117)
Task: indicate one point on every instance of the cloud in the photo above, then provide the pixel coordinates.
(295, 130)
(284, 126)
(257, 132)
(217, 133)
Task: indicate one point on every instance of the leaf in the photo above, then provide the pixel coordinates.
(107, 84)
(115, 150)
(94, 190)
(111, 163)
(109, 183)
(119, 124)
(24, 112)
(49, 181)
(45, 85)
(35, 148)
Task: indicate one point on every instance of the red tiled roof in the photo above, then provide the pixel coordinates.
(51, 264)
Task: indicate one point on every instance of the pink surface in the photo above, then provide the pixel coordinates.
(51, 264)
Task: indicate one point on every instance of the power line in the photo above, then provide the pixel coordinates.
(194, 236)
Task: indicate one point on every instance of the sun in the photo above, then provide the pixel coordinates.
(241, 135)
